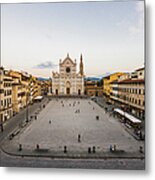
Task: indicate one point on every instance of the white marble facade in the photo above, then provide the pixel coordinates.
(68, 81)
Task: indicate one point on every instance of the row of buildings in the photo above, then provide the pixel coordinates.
(124, 90)
(127, 91)
(17, 90)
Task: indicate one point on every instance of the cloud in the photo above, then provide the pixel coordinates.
(45, 65)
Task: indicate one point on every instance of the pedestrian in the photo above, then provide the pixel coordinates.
(89, 150)
(2, 129)
(65, 149)
(114, 147)
(20, 147)
(140, 149)
(37, 146)
(97, 117)
(110, 148)
(79, 138)
(94, 149)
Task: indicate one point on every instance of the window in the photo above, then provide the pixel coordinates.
(5, 102)
(1, 91)
(68, 70)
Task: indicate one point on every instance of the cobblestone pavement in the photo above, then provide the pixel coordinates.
(16, 120)
(62, 120)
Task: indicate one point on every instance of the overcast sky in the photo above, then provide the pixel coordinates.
(110, 35)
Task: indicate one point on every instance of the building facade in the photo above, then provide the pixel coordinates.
(93, 88)
(68, 81)
(107, 83)
(25, 88)
(5, 95)
(129, 92)
(16, 91)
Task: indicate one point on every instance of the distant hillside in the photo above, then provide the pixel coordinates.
(42, 79)
(97, 78)
(104, 75)
(92, 79)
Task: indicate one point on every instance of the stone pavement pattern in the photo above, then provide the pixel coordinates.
(58, 125)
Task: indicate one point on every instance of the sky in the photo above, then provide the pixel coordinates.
(110, 36)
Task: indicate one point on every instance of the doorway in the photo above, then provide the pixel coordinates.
(79, 92)
(67, 91)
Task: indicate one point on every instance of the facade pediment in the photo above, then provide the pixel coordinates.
(68, 62)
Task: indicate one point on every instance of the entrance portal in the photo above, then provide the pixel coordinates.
(68, 88)
(67, 91)
(79, 92)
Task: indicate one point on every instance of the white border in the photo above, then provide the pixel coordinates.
(69, 174)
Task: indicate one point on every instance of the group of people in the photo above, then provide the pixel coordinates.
(77, 111)
(74, 103)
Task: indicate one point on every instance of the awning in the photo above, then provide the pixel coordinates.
(128, 116)
(119, 111)
(38, 98)
(132, 118)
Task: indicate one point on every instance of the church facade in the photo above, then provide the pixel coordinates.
(68, 81)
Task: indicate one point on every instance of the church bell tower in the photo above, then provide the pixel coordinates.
(81, 65)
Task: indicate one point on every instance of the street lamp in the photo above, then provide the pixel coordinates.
(27, 115)
(27, 110)
(1, 125)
